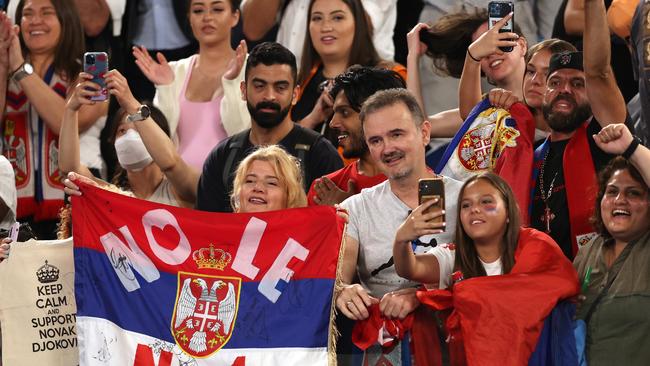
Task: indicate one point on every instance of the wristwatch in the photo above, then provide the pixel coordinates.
(23, 71)
(143, 113)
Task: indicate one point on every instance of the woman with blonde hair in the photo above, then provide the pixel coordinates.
(268, 179)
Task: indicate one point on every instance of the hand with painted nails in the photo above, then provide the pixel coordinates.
(489, 42)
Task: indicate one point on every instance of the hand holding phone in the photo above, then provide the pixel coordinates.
(498, 10)
(96, 64)
(13, 232)
(429, 189)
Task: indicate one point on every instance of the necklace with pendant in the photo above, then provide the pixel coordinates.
(548, 215)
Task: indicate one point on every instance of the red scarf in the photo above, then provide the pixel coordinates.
(33, 149)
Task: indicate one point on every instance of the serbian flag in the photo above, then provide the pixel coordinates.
(494, 139)
(160, 285)
(497, 320)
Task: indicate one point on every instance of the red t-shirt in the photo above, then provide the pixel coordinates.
(341, 178)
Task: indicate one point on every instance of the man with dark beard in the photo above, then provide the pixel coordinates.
(564, 176)
(349, 91)
(269, 89)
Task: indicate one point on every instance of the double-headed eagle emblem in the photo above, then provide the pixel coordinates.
(202, 325)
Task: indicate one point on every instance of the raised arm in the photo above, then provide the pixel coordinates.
(616, 139)
(424, 267)
(259, 16)
(48, 104)
(574, 17)
(605, 98)
(69, 154)
(469, 89)
(184, 178)
(6, 35)
(415, 51)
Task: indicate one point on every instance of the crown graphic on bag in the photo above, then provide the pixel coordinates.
(47, 273)
(211, 258)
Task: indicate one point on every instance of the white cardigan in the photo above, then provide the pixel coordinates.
(234, 114)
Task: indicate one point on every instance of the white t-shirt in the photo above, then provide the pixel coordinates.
(375, 214)
(446, 256)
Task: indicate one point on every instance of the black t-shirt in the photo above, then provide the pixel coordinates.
(306, 104)
(321, 159)
(557, 200)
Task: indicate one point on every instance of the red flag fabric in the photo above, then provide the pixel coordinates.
(517, 162)
(496, 320)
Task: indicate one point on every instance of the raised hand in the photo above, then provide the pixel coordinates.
(328, 193)
(415, 46)
(6, 35)
(159, 73)
(236, 63)
(614, 138)
(16, 58)
(489, 42)
(82, 92)
(118, 86)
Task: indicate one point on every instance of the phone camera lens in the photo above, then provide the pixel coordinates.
(90, 59)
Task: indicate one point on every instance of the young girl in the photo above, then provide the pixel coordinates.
(486, 237)
(503, 279)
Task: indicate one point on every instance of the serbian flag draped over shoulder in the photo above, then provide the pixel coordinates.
(160, 285)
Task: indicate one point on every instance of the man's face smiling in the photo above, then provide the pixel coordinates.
(395, 142)
(269, 94)
(347, 123)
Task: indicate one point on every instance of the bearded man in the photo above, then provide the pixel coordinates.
(269, 89)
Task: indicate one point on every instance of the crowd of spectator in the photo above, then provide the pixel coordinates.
(538, 136)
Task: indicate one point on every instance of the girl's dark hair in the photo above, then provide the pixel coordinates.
(69, 51)
(450, 37)
(616, 164)
(363, 51)
(120, 178)
(467, 259)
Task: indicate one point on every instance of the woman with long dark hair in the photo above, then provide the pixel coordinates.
(339, 36)
(39, 61)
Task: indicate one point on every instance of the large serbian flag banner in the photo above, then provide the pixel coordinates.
(160, 285)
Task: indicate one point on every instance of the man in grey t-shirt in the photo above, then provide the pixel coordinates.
(396, 133)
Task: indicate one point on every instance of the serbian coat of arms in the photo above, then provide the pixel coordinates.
(205, 312)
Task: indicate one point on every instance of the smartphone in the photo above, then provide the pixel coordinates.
(498, 10)
(13, 233)
(431, 188)
(426, 37)
(96, 64)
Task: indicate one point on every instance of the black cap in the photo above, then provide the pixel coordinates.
(565, 60)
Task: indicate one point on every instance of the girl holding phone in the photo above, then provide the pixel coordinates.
(499, 275)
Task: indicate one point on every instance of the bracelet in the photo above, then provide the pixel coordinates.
(627, 154)
(472, 57)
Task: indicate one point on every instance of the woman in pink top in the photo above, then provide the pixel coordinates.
(200, 95)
